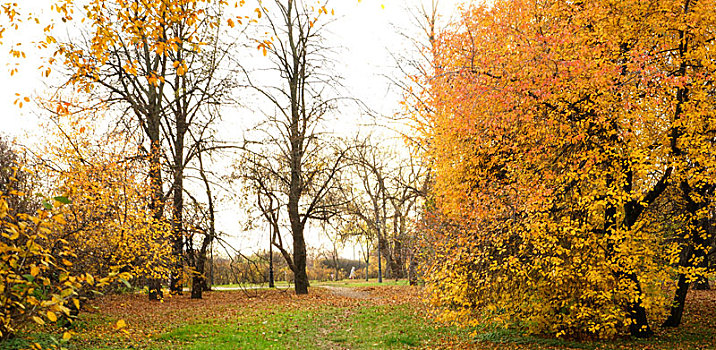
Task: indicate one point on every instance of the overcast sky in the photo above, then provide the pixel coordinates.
(368, 35)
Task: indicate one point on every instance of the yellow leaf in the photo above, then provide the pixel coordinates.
(38, 320)
(66, 336)
(34, 271)
(51, 316)
(120, 324)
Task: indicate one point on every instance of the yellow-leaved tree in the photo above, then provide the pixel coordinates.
(108, 225)
(38, 282)
(560, 134)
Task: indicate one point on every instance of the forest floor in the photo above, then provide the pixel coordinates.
(338, 316)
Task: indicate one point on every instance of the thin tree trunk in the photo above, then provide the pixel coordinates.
(156, 202)
(271, 283)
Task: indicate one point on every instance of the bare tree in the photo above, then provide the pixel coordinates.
(385, 194)
(204, 224)
(308, 161)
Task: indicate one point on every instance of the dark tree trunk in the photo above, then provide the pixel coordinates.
(299, 260)
(694, 251)
(271, 283)
(155, 289)
(156, 202)
(380, 264)
(640, 323)
(392, 265)
(205, 286)
(175, 285)
(367, 264)
(198, 282)
(677, 308)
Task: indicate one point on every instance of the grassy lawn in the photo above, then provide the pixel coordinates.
(391, 317)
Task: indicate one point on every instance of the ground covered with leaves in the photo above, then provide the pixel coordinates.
(331, 317)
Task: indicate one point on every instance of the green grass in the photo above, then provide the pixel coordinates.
(386, 327)
(369, 327)
(44, 339)
(262, 330)
(280, 284)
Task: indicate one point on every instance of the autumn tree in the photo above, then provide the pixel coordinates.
(552, 131)
(38, 280)
(258, 175)
(298, 107)
(107, 225)
(158, 64)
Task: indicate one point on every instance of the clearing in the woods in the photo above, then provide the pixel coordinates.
(354, 315)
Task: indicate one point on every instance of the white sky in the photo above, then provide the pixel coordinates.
(367, 35)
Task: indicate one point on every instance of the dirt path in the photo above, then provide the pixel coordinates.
(348, 292)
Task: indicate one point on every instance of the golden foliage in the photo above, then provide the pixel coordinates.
(554, 130)
(109, 224)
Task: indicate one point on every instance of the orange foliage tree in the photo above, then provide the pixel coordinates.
(553, 128)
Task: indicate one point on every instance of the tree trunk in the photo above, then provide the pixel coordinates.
(397, 262)
(677, 308)
(156, 202)
(380, 264)
(367, 264)
(393, 267)
(271, 283)
(640, 324)
(299, 260)
(155, 289)
(412, 271)
(299, 245)
(198, 281)
(175, 285)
